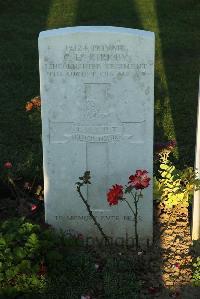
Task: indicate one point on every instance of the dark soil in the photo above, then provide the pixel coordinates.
(166, 267)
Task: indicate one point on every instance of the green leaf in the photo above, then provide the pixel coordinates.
(2, 242)
(128, 189)
(32, 242)
(39, 189)
(10, 273)
(164, 173)
(24, 266)
(19, 252)
(164, 166)
(86, 177)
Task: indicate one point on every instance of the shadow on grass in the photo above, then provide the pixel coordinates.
(107, 13)
(20, 24)
(178, 23)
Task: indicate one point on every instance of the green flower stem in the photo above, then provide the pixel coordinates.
(135, 213)
(136, 219)
(91, 214)
(33, 183)
(129, 206)
(12, 188)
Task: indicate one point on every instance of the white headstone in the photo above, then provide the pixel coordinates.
(196, 201)
(97, 90)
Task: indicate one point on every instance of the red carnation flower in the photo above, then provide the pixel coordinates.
(114, 194)
(171, 144)
(8, 165)
(33, 207)
(140, 180)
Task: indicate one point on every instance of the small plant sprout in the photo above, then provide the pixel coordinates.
(172, 186)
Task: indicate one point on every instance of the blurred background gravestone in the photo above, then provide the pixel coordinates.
(196, 201)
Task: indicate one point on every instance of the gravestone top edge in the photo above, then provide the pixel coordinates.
(92, 29)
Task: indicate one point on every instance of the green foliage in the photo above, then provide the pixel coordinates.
(19, 256)
(196, 272)
(37, 262)
(174, 186)
(196, 263)
(23, 248)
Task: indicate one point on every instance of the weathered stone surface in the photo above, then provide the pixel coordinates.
(97, 90)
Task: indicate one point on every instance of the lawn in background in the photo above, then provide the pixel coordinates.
(176, 26)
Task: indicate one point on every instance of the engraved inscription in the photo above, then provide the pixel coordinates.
(96, 101)
(100, 138)
(63, 132)
(96, 60)
(88, 218)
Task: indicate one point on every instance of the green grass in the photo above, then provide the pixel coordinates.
(176, 25)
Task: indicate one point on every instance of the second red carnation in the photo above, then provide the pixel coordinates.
(115, 194)
(140, 180)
